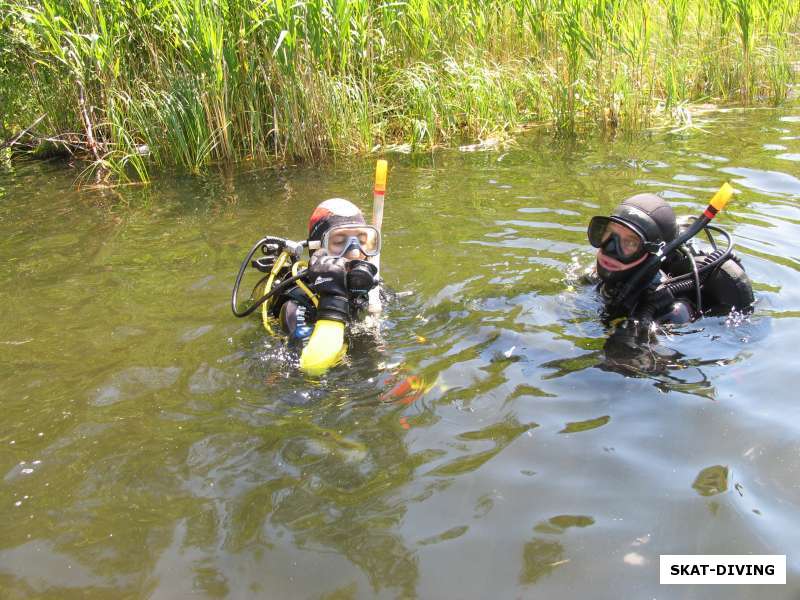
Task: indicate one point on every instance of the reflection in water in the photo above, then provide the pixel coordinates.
(668, 369)
(659, 363)
(324, 478)
(711, 481)
(540, 558)
(342, 501)
(586, 425)
(500, 434)
(561, 523)
(450, 534)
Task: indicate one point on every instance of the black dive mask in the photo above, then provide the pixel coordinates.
(625, 250)
(613, 248)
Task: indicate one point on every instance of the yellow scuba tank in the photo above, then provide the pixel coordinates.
(325, 348)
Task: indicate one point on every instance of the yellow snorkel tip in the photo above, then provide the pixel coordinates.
(324, 349)
(718, 202)
(380, 176)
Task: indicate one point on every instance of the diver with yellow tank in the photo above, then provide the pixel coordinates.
(313, 301)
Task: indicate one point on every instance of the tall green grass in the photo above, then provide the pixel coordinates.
(138, 84)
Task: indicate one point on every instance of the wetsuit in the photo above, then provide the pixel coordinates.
(297, 314)
(726, 288)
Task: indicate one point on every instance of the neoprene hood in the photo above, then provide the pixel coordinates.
(648, 214)
(331, 212)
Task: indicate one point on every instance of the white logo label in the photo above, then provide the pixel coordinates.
(723, 569)
(321, 279)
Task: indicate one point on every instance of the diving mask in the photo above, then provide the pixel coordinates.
(626, 247)
(341, 240)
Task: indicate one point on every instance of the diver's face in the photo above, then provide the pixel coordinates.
(628, 240)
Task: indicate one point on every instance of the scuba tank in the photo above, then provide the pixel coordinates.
(724, 285)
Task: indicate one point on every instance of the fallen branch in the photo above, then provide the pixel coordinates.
(88, 123)
(70, 142)
(24, 131)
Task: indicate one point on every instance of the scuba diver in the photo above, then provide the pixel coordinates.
(340, 245)
(649, 270)
(313, 301)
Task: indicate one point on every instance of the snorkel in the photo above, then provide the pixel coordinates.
(378, 196)
(625, 296)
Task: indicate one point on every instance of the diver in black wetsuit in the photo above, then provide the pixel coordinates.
(626, 241)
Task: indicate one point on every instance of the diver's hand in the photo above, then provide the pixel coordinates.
(362, 276)
(654, 301)
(327, 276)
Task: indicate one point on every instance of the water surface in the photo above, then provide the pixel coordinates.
(153, 446)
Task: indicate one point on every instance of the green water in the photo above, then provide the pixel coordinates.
(153, 446)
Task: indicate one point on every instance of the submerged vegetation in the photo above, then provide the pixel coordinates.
(134, 83)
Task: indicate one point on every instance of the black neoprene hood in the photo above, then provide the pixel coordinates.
(648, 214)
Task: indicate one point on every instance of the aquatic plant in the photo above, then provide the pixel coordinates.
(132, 84)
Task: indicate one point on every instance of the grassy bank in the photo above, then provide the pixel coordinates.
(137, 84)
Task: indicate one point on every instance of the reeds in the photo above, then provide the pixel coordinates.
(184, 82)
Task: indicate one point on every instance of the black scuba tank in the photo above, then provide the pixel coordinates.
(724, 288)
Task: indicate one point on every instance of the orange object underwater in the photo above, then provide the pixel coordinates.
(407, 391)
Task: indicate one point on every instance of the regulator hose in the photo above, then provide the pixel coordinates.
(281, 287)
(688, 282)
(625, 296)
(698, 288)
(682, 286)
(275, 290)
(709, 261)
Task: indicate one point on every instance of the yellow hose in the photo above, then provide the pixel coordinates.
(276, 268)
(295, 268)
